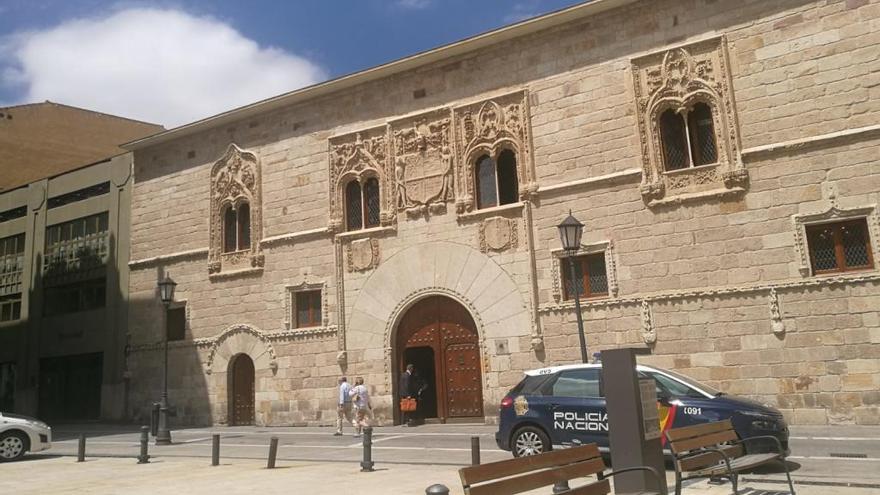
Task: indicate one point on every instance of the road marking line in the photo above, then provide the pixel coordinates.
(330, 434)
(838, 439)
(203, 439)
(829, 458)
(98, 442)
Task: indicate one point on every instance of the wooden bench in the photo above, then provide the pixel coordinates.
(714, 450)
(531, 472)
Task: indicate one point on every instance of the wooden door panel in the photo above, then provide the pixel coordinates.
(243, 391)
(464, 391)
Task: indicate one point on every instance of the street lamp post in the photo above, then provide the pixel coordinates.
(570, 232)
(166, 293)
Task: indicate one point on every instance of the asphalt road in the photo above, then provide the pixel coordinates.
(835, 455)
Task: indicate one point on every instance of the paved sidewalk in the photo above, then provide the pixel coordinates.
(193, 476)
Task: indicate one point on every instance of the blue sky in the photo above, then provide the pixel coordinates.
(177, 61)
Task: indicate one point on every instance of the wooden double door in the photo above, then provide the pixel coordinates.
(439, 337)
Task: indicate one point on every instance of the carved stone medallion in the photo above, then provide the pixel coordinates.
(498, 234)
(423, 162)
(362, 254)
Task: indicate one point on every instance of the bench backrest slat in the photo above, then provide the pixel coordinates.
(477, 474)
(709, 458)
(597, 488)
(538, 479)
(703, 441)
(698, 430)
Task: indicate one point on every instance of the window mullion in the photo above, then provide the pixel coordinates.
(687, 137)
(838, 248)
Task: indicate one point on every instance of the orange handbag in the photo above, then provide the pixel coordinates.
(408, 405)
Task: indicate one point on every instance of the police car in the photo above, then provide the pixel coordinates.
(565, 405)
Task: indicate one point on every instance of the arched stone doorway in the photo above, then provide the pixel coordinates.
(241, 390)
(439, 337)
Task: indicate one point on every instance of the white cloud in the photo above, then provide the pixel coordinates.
(414, 4)
(157, 65)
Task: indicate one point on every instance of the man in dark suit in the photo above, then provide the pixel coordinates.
(408, 390)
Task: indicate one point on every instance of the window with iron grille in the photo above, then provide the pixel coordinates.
(496, 180)
(362, 204)
(237, 228)
(591, 276)
(371, 203)
(840, 246)
(176, 323)
(76, 248)
(688, 137)
(307, 308)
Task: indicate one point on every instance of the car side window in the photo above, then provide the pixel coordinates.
(667, 387)
(582, 383)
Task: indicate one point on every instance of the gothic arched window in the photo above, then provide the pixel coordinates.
(362, 206)
(688, 137)
(236, 228)
(497, 182)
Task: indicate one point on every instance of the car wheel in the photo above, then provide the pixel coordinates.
(12, 446)
(530, 440)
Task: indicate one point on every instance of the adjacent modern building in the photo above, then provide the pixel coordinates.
(724, 157)
(64, 219)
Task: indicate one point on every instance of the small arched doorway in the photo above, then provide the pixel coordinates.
(241, 390)
(439, 337)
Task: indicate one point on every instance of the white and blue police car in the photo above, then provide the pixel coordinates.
(565, 406)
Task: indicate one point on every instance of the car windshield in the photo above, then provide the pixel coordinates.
(685, 388)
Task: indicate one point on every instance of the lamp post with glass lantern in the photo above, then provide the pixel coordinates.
(570, 232)
(166, 293)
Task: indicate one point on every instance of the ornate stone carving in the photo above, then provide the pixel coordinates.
(290, 301)
(649, 334)
(360, 156)
(498, 234)
(423, 162)
(606, 247)
(776, 322)
(362, 254)
(678, 79)
(235, 180)
(236, 329)
(488, 127)
(834, 212)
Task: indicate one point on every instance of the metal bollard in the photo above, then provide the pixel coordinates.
(81, 449)
(367, 463)
(273, 452)
(561, 487)
(437, 490)
(475, 451)
(154, 419)
(144, 458)
(215, 450)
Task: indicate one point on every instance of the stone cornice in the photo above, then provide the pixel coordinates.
(628, 174)
(829, 139)
(817, 281)
(192, 254)
(209, 342)
(293, 237)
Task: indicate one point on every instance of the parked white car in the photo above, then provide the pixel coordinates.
(20, 434)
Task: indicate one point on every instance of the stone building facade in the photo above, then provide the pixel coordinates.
(723, 156)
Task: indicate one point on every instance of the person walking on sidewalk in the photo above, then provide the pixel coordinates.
(360, 397)
(343, 410)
